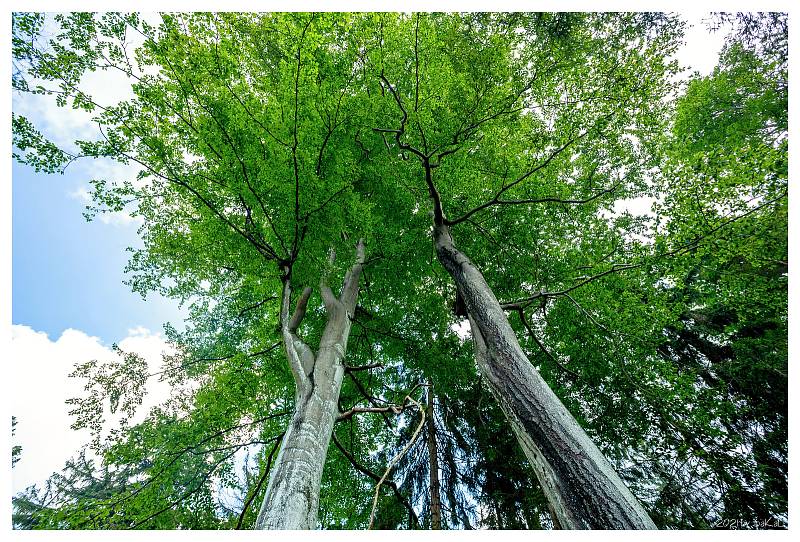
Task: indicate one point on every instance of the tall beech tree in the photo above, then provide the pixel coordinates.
(293, 491)
(470, 173)
(501, 85)
(205, 142)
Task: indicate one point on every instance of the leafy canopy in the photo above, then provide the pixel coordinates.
(266, 140)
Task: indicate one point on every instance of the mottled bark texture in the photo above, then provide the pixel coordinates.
(582, 487)
(292, 498)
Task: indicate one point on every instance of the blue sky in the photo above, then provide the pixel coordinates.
(68, 305)
(67, 273)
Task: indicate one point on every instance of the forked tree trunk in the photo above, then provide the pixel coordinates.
(292, 498)
(580, 484)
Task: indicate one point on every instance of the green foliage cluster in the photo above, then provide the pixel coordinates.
(264, 141)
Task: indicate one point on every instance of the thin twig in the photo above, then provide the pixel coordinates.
(260, 481)
(395, 459)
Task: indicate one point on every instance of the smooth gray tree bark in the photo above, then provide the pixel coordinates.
(581, 486)
(292, 498)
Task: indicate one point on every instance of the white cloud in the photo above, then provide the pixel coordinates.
(40, 387)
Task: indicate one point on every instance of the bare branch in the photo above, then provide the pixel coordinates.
(261, 481)
(364, 470)
(395, 409)
(372, 400)
(543, 164)
(395, 459)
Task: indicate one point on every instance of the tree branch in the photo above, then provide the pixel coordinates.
(496, 199)
(222, 358)
(395, 459)
(541, 346)
(558, 200)
(256, 305)
(300, 310)
(399, 133)
(372, 400)
(188, 494)
(395, 409)
(308, 214)
(179, 453)
(349, 293)
(363, 367)
(295, 142)
(292, 355)
(364, 470)
(261, 481)
(525, 302)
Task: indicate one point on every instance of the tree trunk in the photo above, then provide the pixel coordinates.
(580, 484)
(433, 463)
(292, 498)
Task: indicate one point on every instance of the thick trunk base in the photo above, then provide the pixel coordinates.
(581, 486)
